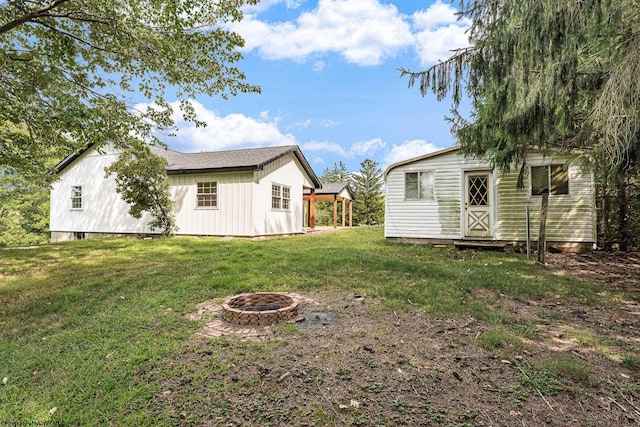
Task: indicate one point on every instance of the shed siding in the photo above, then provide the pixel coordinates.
(570, 217)
(284, 171)
(437, 218)
(103, 211)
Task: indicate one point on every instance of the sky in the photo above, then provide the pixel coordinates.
(328, 70)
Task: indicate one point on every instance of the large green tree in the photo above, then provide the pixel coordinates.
(551, 74)
(369, 197)
(69, 70)
(546, 73)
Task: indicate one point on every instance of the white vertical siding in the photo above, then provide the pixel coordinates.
(243, 200)
(232, 216)
(288, 172)
(103, 211)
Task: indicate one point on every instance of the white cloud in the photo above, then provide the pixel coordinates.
(438, 32)
(363, 32)
(225, 132)
(327, 146)
(364, 148)
(319, 65)
(408, 150)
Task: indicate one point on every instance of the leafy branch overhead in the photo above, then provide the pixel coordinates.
(68, 69)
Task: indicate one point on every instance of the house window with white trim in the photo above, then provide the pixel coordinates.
(553, 179)
(207, 194)
(418, 185)
(280, 197)
(76, 197)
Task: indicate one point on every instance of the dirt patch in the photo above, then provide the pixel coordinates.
(377, 366)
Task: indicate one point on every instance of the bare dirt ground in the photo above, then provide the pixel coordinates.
(376, 366)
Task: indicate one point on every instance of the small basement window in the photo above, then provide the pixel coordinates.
(207, 194)
(418, 185)
(551, 178)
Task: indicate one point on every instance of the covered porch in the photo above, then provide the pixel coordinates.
(337, 192)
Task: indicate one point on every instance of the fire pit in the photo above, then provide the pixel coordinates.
(259, 309)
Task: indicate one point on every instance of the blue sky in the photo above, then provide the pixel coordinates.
(329, 79)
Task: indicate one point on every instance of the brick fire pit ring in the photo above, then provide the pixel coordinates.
(259, 309)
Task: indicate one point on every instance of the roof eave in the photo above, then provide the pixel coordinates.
(248, 168)
(418, 158)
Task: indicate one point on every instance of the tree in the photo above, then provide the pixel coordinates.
(68, 69)
(24, 211)
(142, 182)
(551, 74)
(337, 173)
(369, 198)
(548, 73)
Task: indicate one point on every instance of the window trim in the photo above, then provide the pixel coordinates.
(278, 198)
(430, 192)
(76, 196)
(213, 194)
(550, 187)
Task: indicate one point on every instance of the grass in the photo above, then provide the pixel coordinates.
(83, 323)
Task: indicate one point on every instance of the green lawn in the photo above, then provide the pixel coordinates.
(81, 323)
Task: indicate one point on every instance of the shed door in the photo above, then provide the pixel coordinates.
(477, 205)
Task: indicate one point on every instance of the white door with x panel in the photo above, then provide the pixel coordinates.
(477, 206)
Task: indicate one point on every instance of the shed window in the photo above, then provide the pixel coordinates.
(418, 185)
(280, 197)
(76, 197)
(551, 178)
(207, 194)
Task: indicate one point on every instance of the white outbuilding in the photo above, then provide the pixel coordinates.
(445, 197)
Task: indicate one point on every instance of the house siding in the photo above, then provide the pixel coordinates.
(232, 216)
(103, 211)
(283, 171)
(570, 218)
(243, 201)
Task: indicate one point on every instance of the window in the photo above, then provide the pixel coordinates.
(551, 178)
(207, 194)
(418, 185)
(280, 197)
(76, 197)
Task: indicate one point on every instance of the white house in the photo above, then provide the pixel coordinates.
(252, 192)
(443, 197)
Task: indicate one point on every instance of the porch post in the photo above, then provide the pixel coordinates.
(312, 209)
(344, 211)
(335, 211)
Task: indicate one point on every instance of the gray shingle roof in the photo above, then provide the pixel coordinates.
(220, 161)
(231, 160)
(332, 188)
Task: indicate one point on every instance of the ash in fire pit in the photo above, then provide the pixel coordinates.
(259, 309)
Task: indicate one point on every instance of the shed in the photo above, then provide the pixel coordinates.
(445, 197)
(251, 192)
